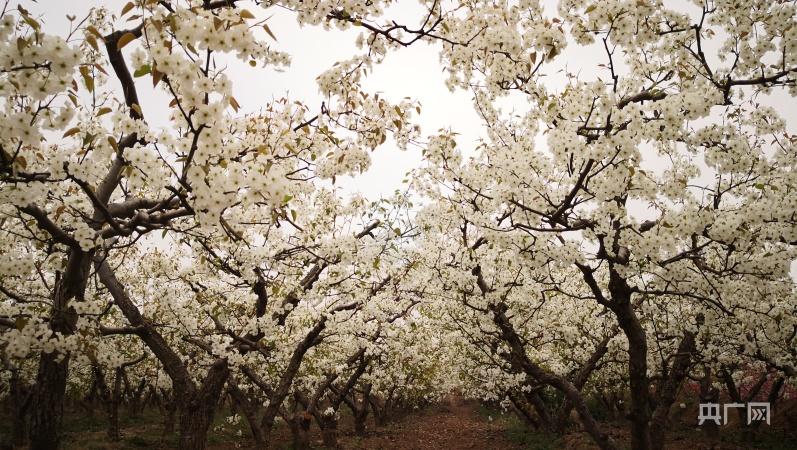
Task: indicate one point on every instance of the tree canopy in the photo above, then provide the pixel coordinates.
(620, 227)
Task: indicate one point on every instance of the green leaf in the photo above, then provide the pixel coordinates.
(143, 70)
(20, 323)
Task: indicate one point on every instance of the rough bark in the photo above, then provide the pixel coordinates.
(198, 411)
(523, 410)
(329, 431)
(580, 379)
(534, 399)
(300, 429)
(47, 410)
(359, 408)
(637, 360)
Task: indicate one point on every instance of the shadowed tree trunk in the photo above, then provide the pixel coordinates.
(523, 410)
(20, 402)
(110, 401)
(198, 411)
(637, 360)
(536, 401)
(709, 394)
(359, 409)
(47, 411)
(300, 430)
(170, 416)
(329, 431)
(640, 414)
(249, 410)
(668, 389)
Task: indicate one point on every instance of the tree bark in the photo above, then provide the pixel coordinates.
(637, 360)
(170, 417)
(709, 394)
(523, 410)
(197, 412)
(300, 429)
(197, 404)
(47, 410)
(110, 401)
(534, 399)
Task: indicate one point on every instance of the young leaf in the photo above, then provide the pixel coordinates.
(124, 40)
(71, 132)
(127, 8)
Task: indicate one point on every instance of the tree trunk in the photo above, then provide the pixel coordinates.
(20, 401)
(359, 409)
(48, 395)
(359, 422)
(250, 413)
(379, 413)
(196, 415)
(608, 404)
(536, 401)
(523, 410)
(170, 417)
(329, 431)
(48, 406)
(300, 428)
(709, 394)
(637, 361)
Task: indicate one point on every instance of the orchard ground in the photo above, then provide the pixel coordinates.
(455, 423)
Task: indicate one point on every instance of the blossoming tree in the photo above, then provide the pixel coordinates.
(629, 219)
(658, 182)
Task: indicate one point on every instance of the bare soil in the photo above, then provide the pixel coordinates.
(454, 424)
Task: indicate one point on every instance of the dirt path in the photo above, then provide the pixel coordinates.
(454, 424)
